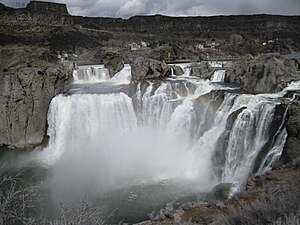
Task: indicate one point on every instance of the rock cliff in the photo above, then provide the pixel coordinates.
(291, 152)
(264, 73)
(47, 7)
(202, 70)
(24, 98)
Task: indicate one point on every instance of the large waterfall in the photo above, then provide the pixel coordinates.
(175, 129)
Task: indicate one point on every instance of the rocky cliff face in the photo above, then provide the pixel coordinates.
(24, 98)
(47, 7)
(263, 74)
(291, 153)
(148, 68)
(202, 70)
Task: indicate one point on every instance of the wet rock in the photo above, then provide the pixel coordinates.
(264, 73)
(202, 70)
(291, 151)
(177, 70)
(222, 191)
(148, 68)
(114, 63)
(25, 96)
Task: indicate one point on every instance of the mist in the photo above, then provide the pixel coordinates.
(96, 146)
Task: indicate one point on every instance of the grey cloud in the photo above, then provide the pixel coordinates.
(127, 8)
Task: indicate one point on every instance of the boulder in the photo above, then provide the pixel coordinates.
(202, 70)
(142, 68)
(264, 73)
(114, 63)
(25, 96)
(177, 70)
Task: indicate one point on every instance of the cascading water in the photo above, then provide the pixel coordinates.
(90, 74)
(178, 130)
(218, 76)
(98, 73)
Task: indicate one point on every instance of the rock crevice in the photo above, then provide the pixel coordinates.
(26, 95)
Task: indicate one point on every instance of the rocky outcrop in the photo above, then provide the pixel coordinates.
(40, 6)
(264, 73)
(114, 63)
(202, 70)
(291, 152)
(177, 70)
(24, 98)
(148, 68)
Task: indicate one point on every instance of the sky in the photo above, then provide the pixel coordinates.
(128, 8)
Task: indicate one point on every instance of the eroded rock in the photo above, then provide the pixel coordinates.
(177, 70)
(114, 63)
(264, 73)
(202, 70)
(25, 96)
(142, 68)
(291, 151)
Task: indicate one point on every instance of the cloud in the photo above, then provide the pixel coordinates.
(133, 7)
(127, 8)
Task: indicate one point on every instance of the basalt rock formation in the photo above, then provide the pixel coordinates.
(291, 152)
(177, 70)
(25, 96)
(114, 63)
(148, 68)
(264, 73)
(47, 7)
(202, 70)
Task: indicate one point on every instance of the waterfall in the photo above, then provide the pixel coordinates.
(90, 74)
(247, 137)
(274, 154)
(84, 121)
(124, 75)
(171, 129)
(218, 76)
(98, 73)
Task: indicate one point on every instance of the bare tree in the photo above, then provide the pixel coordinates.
(19, 205)
(82, 214)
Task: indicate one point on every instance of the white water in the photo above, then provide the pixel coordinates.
(218, 76)
(248, 135)
(104, 142)
(90, 74)
(98, 73)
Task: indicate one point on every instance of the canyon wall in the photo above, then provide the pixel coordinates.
(25, 96)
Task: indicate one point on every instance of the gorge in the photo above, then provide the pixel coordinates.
(167, 132)
(180, 135)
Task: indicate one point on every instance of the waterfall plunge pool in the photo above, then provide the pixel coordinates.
(134, 148)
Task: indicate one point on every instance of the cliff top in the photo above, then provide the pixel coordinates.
(39, 6)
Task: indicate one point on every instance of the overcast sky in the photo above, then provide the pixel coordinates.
(127, 8)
